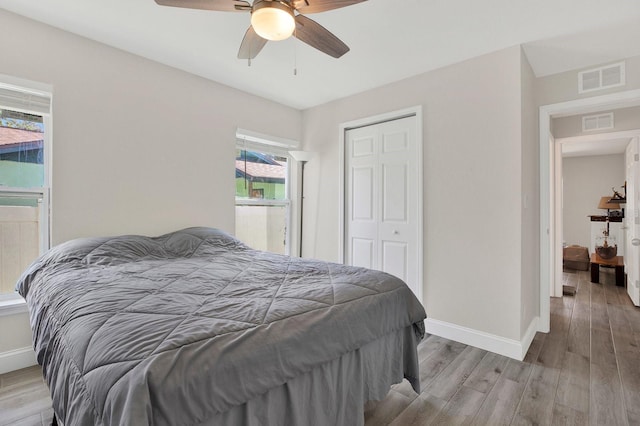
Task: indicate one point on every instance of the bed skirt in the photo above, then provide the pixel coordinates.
(353, 379)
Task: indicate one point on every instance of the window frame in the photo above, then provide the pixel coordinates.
(274, 146)
(13, 303)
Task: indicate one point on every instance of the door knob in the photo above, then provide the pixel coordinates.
(635, 242)
(395, 232)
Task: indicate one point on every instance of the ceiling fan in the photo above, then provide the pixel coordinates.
(277, 20)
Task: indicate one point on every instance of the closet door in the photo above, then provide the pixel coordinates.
(362, 193)
(381, 223)
(632, 221)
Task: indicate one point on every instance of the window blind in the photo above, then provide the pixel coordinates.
(22, 99)
(254, 140)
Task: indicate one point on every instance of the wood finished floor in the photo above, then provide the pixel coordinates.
(586, 371)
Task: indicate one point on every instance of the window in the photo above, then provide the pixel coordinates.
(262, 196)
(24, 183)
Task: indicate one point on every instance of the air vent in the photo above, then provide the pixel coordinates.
(597, 122)
(601, 78)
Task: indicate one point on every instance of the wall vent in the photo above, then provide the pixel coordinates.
(597, 122)
(601, 78)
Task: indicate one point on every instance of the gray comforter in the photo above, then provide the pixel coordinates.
(174, 329)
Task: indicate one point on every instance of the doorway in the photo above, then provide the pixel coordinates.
(592, 167)
(550, 158)
(381, 220)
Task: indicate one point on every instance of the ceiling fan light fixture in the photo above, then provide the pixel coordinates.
(272, 20)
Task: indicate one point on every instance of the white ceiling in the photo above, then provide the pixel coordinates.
(606, 145)
(389, 40)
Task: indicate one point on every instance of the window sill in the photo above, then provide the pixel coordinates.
(12, 306)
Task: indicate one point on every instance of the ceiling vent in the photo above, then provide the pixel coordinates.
(601, 78)
(597, 122)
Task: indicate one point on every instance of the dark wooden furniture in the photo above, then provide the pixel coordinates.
(615, 262)
(604, 218)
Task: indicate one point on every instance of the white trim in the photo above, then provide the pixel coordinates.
(21, 192)
(25, 85)
(12, 304)
(341, 192)
(48, 179)
(262, 202)
(262, 139)
(420, 230)
(526, 340)
(558, 222)
(368, 121)
(490, 342)
(548, 236)
(17, 359)
(626, 99)
(623, 134)
(381, 118)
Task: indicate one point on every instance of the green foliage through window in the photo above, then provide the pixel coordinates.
(260, 175)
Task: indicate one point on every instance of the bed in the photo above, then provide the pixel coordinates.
(195, 328)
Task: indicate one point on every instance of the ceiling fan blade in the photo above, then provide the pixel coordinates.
(315, 35)
(315, 6)
(219, 5)
(251, 45)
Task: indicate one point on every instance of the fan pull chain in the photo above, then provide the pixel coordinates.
(295, 52)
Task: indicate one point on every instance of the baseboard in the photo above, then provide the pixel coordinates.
(17, 359)
(529, 335)
(490, 342)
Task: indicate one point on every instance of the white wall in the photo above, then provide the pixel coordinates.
(623, 119)
(138, 147)
(134, 139)
(564, 86)
(141, 147)
(15, 333)
(585, 181)
(15, 342)
(530, 199)
(473, 166)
